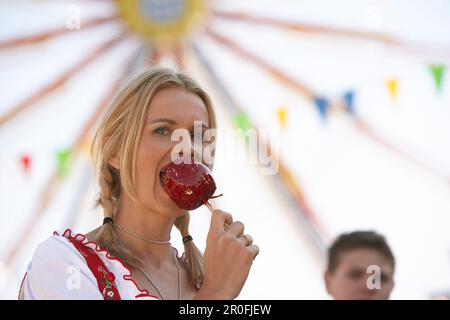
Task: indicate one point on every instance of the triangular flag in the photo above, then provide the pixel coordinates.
(322, 105)
(349, 101)
(281, 114)
(25, 161)
(241, 121)
(63, 157)
(392, 85)
(437, 70)
(86, 147)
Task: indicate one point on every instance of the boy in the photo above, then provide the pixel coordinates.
(360, 266)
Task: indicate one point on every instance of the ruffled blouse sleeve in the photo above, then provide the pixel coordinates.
(58, 271)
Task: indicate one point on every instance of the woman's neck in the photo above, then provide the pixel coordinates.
(146, 224)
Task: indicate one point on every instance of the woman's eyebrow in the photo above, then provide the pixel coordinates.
(163, 120)
(203, 125)
(171, 121)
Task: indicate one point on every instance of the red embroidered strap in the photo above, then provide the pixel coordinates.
(105, 279)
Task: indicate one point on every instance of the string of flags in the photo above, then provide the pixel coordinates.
(347, 100)
(242, 121)
(323, 104)
(63, 159)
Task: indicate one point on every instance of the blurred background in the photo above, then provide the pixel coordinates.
(357, 92)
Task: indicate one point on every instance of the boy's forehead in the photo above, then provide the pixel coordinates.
(363, 257)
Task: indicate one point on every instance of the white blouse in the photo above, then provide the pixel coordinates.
(59, 271)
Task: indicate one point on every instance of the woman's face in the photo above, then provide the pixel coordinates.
(170, 109)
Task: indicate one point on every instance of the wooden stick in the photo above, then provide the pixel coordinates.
(210, 207)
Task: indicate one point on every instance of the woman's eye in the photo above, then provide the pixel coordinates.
(161, 131)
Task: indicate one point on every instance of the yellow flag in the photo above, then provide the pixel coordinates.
(392, 85)
(282, 120)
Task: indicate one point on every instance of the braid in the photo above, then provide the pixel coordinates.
(107, 237)
(108, 182)
(193, 255)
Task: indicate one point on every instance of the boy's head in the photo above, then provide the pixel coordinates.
(360, 266)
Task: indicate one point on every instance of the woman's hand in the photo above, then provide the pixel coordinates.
(229, 254)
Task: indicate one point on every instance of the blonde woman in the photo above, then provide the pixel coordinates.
(130, 255)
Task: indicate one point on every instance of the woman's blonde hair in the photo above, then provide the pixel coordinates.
(119, 135)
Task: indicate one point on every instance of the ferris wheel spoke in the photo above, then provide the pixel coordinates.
(301, 27)
(300, 87)
(61, 79)
(50, 34)
(54, 180)
(438, 52)
(179, 55)
(316, 230)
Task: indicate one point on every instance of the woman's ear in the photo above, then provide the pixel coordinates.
(115, 162)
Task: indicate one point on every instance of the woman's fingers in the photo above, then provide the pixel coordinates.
(228, 257)
(254, 249)
(236, 228)
(246, 239)
(220, 219)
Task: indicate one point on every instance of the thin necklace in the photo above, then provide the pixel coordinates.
(140, 237)
(156, 287)
(142, 270)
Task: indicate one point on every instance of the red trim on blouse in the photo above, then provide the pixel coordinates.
(68, 234)
(105, 279)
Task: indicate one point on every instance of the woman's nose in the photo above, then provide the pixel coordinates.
(188, 148)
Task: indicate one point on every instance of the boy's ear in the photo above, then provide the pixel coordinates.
(327, 279)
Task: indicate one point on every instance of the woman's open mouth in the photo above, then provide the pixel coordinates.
(189, 185)
(162, 175)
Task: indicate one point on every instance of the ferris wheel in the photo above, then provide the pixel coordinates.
(361, 116)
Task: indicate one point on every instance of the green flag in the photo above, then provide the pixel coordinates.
(437, 70)
(241, 121)
(63, 157)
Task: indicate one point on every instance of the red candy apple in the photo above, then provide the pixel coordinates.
(189, 185)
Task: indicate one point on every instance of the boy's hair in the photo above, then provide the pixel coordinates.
(357, 240)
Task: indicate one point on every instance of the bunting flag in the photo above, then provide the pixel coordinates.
(281, 114)
(241, 121)
(63, 159)
(25, 161)
(86, 148)
(349, 101)
(392, 85)
(322, 105)
(437, 71)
